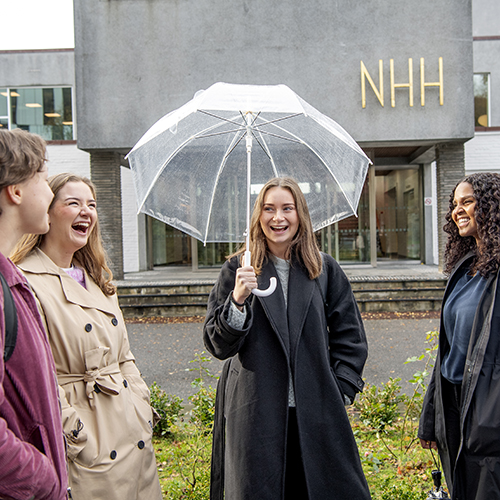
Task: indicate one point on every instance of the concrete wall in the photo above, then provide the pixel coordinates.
(138, 60)
(37, 68)
(486, 17)
(483, 153)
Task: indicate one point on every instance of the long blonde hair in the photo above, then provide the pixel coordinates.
(303, 246)
(91, 257)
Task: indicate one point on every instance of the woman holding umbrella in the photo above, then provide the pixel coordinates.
(461, 413)
(107, 417)
(295, 359)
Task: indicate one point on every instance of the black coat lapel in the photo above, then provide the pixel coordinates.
(300, 293)
(274, 305)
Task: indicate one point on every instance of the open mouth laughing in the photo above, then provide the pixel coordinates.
(81, 227)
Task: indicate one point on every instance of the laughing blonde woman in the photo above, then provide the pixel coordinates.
(107, 417)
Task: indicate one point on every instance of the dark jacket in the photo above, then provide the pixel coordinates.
(32, 456)
(254, 390)
(476, 475)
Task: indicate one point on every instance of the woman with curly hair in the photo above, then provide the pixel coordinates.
(461, 412)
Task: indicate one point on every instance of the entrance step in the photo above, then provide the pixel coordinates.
(396, 295)
(151, 300)
(190, 299)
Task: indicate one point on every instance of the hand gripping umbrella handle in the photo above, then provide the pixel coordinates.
(272, 284)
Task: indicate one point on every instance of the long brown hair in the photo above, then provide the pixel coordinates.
(303, 246)
(91, 257)
(486, 189)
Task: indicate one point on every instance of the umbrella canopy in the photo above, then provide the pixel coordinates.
(190, 168)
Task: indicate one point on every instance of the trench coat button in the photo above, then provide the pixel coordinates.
(88, 327)
(125, 383)
(140, 444)
(112, 455)
(114, 322)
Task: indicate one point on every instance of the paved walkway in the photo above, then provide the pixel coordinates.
(164, 351)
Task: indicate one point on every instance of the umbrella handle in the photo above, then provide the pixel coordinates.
(267, 291)
(272, 282)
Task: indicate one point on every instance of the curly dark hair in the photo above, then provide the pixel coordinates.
(486, 188)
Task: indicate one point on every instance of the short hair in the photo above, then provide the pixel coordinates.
(22, 155)
(92, 257)
(303, 246)
(486, 189)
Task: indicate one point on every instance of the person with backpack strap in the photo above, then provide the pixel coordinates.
(32, 448)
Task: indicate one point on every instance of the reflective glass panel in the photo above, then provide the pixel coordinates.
(398, 214)
(170, 246)
(348, 241)
(43, 111)
(3, 103)
(4, 124)
(481, 91)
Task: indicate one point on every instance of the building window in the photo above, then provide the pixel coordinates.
(44, 111)
(4, 113)
(481, 99)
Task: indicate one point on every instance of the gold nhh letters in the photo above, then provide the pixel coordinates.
(379, 92)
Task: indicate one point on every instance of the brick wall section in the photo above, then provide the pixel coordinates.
(450, 168)
(105, 173)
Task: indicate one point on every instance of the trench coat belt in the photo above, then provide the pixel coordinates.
(100, 376)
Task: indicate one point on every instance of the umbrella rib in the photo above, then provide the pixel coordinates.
(277, 119)
(298, 141)
(220, 117)
(267, 151)
(231, 147)
(218, 133)
(322, 161)
(263, 148)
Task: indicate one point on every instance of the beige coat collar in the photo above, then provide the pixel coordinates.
(39, 263)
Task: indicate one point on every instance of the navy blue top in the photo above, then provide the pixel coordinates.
(458, 316)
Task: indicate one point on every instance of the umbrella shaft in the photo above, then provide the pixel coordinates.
(249, 176)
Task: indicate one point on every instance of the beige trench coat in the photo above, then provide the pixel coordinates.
(111, 456)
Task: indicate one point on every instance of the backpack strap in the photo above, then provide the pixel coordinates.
(10, 315)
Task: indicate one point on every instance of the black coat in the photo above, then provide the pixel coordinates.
(254, 390)
(476, 474)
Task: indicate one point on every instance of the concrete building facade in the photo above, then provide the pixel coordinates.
(397, 78)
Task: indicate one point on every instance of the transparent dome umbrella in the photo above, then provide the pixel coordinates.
(200, 167)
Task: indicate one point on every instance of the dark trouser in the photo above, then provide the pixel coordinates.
(295, 479)
(451, 403)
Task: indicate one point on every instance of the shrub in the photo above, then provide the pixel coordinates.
(379, 407)
(167, 406)
(203, 400)
(203, 407)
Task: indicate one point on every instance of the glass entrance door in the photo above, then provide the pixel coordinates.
(399, 214)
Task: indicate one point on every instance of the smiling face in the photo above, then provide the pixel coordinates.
(464, 212)
(73, 216)
(279, 220)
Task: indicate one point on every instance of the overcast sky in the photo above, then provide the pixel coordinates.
(36, 24)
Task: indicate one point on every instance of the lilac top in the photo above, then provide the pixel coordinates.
(77, 274)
